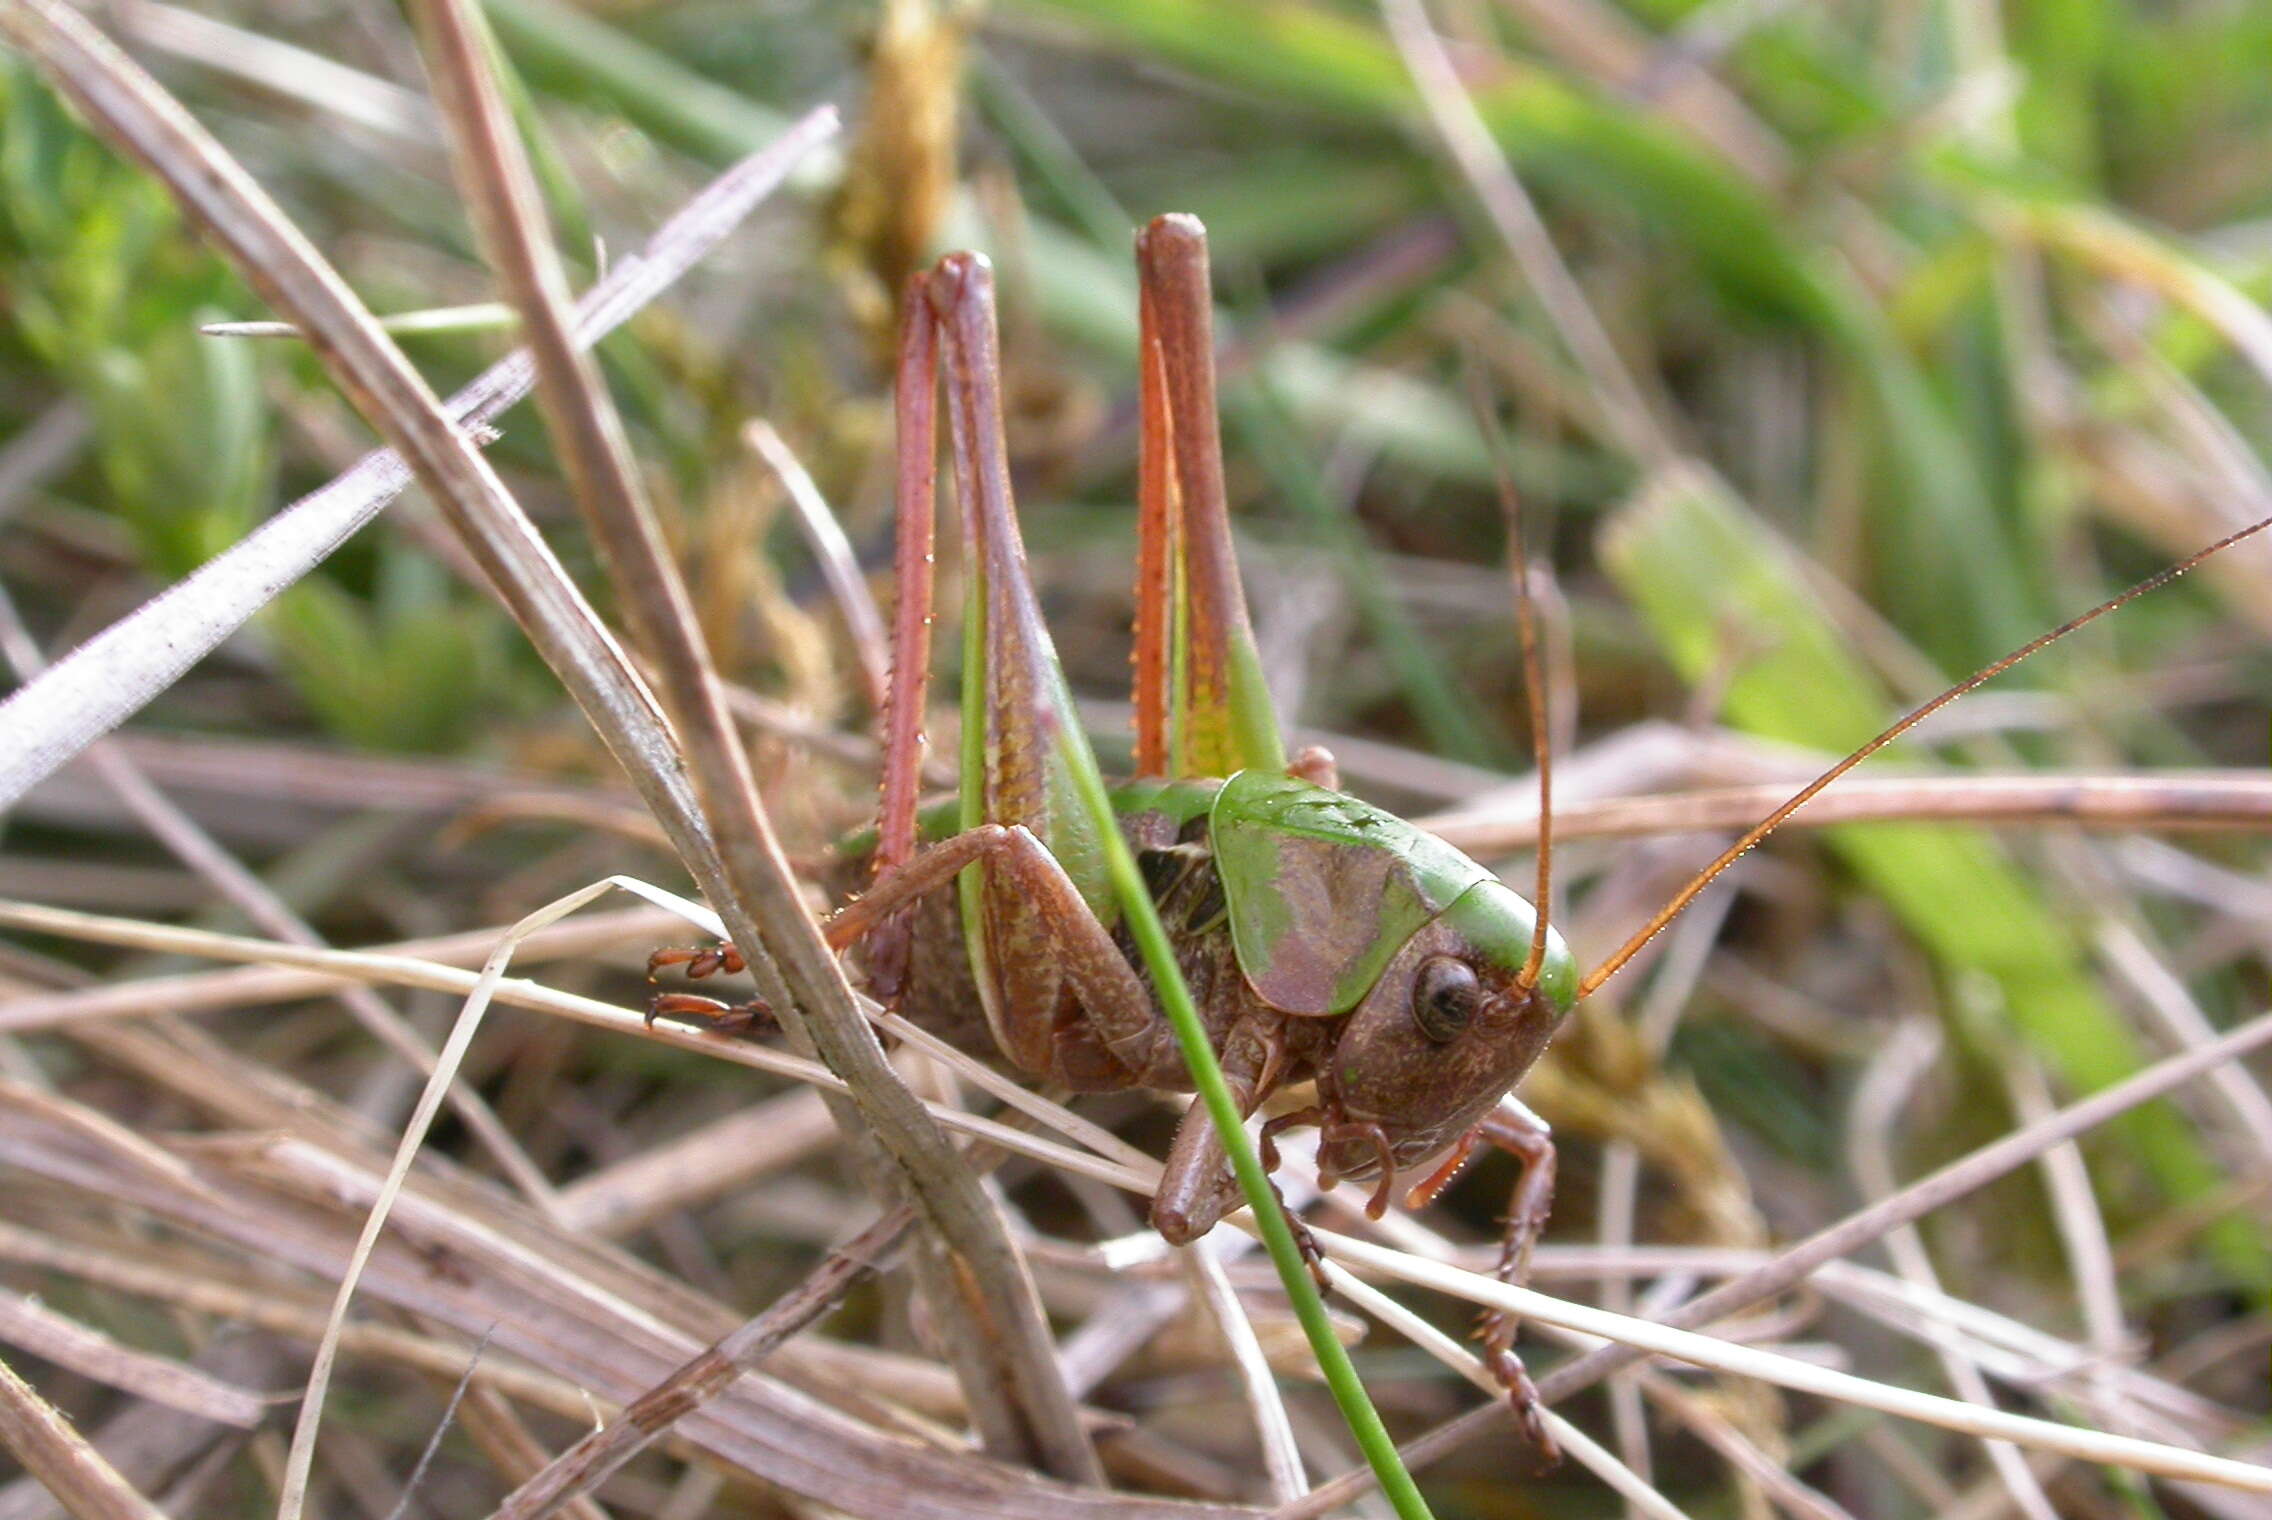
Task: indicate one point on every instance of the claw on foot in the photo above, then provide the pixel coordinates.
(1312, 1256)
(751, 1018)
(1507, 1368)
(699, 960)
(1270, 1132)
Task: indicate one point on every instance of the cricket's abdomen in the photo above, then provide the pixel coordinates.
(941, 991)
(1166, 826)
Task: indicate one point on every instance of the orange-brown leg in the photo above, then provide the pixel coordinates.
(699, 960)
(916, 406)
(1113, 998)
(1525, 1136)
(709, 1013)
(917, 409)
(1191, 619)
(754, 1017)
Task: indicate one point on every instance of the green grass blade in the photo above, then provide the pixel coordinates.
(1046, 155)
(1596, 149)
(566, 52)
(1704, 572)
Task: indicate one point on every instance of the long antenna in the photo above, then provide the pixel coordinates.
(1687, 894)
(1534, 672)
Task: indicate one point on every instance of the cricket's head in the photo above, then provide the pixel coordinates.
(1445, 1032)
(1340, 910)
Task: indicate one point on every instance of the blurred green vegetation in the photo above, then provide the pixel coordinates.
(105, 294)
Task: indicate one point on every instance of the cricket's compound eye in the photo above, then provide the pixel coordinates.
(1445, 996)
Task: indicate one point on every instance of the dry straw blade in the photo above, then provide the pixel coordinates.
(1806, 1377)
(1632, 1336)
(994, 1331)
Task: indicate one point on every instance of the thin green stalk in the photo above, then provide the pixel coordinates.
(1151, 938)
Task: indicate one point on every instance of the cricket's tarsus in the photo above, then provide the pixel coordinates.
(752, 1018)
(1324, 941)
(699, 961)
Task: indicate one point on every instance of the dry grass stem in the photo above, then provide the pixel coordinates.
(197, 849)
(310, 78)
(2173, 800)
(1714, 1429)
(824, 536)
(582, 938)
(602, 1320)
(995, 1332)
(582, 1467)
(1517, 221)
(434, 319)
(1640, 1337)
(2090, 1253)
(31, 1326)
(44, 1442)
(2164, 995)
(1882, 1100)
(1281, 1457)
(1121, 1166)
(300, 1460)
(1451, 1353)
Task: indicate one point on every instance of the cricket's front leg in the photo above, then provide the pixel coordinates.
(1525, 1136)
(1197, 1187)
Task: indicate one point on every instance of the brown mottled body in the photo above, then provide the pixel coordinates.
(942, 989)
(1261, 1048)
